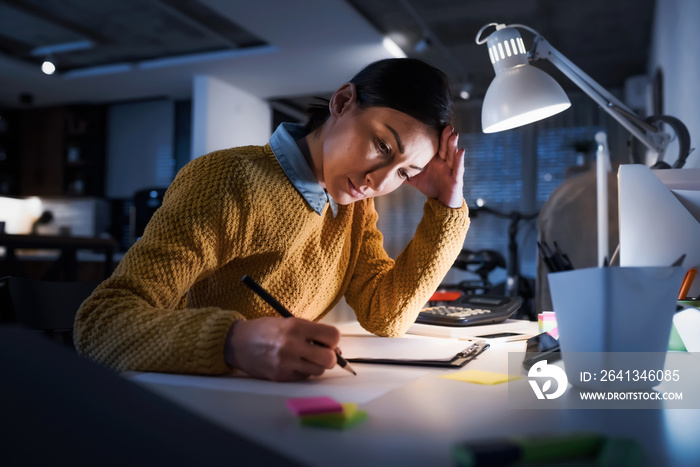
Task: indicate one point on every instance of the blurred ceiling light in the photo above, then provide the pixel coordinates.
(465, 92)
(48, 51)
(393, 48)
(48, 67)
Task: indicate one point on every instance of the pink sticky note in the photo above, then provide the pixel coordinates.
(313, 405)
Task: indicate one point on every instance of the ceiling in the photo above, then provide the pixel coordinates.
(608, 39)
(286, 51)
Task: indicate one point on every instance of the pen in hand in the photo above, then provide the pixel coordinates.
(279, 308)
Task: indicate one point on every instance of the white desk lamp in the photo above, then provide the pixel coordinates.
(522, 94)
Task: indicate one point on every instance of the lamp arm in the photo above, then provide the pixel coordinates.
(649, 135)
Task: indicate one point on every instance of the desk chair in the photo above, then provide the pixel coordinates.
(481, 263)
(44, 306)
(569, 217)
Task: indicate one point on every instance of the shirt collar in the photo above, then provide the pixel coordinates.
(294, 165)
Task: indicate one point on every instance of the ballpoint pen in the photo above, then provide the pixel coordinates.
(284, 312)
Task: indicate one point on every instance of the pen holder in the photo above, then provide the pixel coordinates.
(605, 315)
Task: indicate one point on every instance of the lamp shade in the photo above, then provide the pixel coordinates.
(520, 93)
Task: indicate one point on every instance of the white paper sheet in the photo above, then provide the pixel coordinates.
(372, 381)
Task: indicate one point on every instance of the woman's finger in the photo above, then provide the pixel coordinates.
(324, 334)
(452, 150)
(300, 359)
(459, 171)
(444, 142)
(307, 368)
(318, 354)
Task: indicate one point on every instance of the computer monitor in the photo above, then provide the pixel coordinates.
(659, 217)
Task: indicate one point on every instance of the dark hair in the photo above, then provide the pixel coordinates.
(408, 85)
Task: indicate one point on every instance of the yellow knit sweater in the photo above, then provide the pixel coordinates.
(173, 297)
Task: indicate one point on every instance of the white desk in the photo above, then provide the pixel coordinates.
(414, 416)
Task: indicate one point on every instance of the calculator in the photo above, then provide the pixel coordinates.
(471, 310)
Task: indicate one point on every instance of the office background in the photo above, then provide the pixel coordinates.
(163, 81)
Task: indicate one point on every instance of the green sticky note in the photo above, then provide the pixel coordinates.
(349, 410)
(481, 377)
(350, 416)
(335, 422)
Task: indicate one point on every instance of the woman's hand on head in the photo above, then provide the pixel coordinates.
(281, 349)
(442, 177)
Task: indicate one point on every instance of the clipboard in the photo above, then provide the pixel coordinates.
(457, 361)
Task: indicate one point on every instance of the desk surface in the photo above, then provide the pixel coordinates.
(415, 417)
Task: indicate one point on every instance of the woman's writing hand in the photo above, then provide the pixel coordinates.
(442, 177)
(281, 349)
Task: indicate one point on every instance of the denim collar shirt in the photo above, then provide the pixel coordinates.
(294, 165)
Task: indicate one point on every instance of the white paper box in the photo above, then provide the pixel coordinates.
(606, 311)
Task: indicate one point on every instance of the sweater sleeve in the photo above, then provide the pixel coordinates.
(387, 295)
(135, 319)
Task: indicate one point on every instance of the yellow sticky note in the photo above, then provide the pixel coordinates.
(481, 377)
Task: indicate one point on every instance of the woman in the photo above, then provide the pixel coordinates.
(298, 216)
